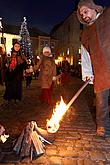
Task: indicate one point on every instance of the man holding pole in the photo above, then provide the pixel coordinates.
(96, 41)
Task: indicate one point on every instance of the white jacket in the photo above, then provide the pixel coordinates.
(86, 65)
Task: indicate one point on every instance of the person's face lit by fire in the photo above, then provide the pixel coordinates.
(87, 14)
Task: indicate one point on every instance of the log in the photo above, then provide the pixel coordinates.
(38, 145)
(30, 143)
(50, 137)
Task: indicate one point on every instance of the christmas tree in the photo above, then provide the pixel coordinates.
(25, 40)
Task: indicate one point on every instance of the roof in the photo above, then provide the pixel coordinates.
(33, 31)
(59, 24)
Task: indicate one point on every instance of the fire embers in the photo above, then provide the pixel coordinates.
(52, 127)
(3, 136)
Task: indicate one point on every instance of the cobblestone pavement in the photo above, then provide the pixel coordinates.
(75, 142)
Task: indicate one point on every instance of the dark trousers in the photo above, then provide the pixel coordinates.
(102, 112)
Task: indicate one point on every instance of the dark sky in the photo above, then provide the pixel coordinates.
(43, 14)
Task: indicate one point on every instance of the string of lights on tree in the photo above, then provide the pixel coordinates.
(25, 41)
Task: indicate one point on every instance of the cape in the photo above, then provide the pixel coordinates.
(96, 39)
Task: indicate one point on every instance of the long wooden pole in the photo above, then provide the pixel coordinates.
(77, 94)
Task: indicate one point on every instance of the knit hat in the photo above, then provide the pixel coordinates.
(46, 49)
(90, 4)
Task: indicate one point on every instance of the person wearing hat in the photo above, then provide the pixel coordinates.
(95, 39)
(47, 75)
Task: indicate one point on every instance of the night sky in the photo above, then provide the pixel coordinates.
(43, 14)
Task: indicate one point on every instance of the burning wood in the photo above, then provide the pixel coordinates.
(46, 136)
(31, 141)
(60, 110)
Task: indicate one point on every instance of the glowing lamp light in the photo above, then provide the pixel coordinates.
(68, 51)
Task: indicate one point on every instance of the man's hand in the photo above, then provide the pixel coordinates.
(54, 78)
(91, 78)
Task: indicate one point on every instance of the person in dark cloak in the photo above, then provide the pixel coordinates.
(14, 66)
(95, 39)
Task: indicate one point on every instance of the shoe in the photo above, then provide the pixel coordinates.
(101, 131)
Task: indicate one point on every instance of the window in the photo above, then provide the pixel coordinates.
(3, 40)
(69, 28)
(52, 45)
(46, 43)
(42, 43)
(14, 40)
(81, 26)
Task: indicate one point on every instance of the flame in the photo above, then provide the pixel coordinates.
(58, 113)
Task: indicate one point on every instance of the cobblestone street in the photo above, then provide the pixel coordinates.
(76, 142)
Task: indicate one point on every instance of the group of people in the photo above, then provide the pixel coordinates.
(13, 69)
(95, 40)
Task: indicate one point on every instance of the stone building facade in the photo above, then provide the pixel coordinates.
(68, 35)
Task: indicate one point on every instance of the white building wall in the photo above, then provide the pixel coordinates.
(9, 40)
